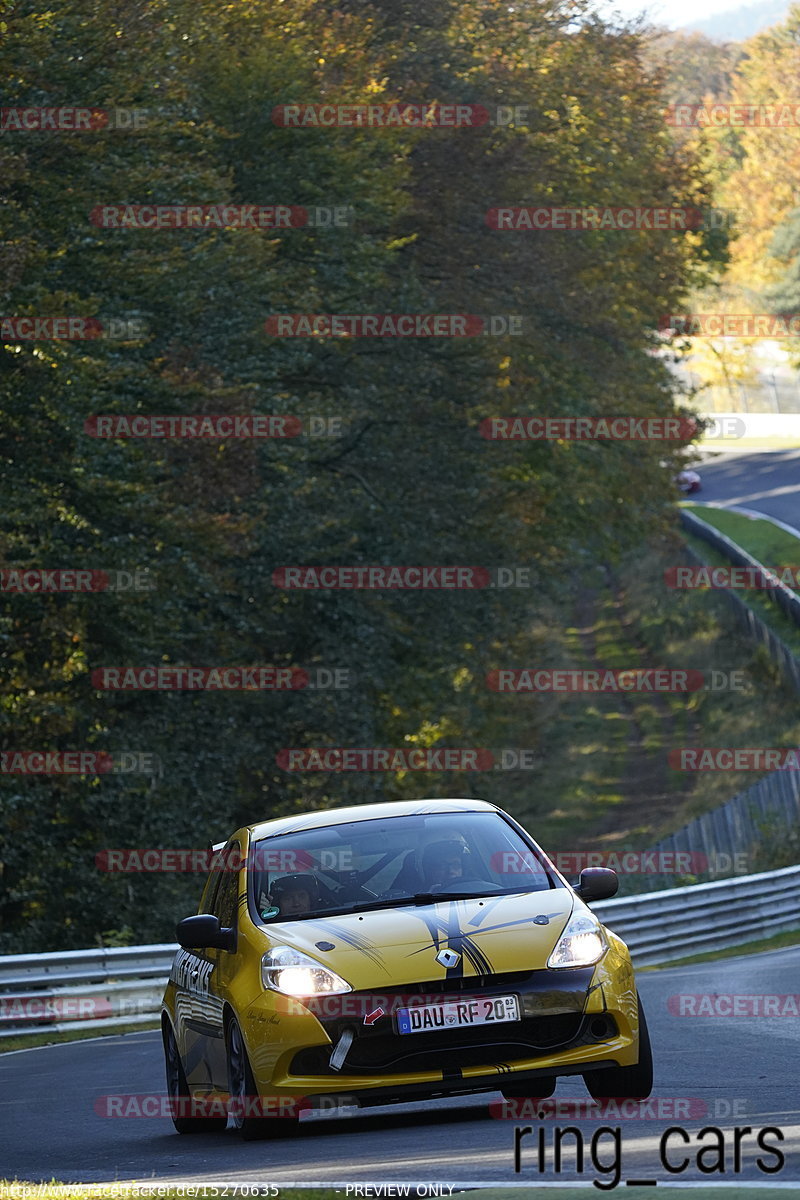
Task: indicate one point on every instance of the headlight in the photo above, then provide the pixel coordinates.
(582, 943)
(286, 970)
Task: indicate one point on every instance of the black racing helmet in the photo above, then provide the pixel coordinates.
(295, 883)
(437, 853)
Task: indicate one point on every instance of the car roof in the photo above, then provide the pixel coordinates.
(364, 812)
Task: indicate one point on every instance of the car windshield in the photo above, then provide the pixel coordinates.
(392, 861)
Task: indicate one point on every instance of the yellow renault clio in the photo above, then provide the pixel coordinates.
(393, 952)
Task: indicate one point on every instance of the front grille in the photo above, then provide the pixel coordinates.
(461, 983)
(446, 1050)
(552, 1007)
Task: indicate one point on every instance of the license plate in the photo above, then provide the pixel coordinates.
(457, 1014)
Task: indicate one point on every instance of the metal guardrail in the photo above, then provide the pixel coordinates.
(767, 810)
(82, 989)
(661, 927)
(755, 629)
(783, 596)
(88, 989)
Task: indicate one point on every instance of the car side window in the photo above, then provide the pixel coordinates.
(209, 892)
(225, 901)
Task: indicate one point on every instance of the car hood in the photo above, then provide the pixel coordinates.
(399, 945)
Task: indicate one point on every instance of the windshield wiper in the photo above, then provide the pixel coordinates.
(418, 898)
(434, 897)
(397, 902)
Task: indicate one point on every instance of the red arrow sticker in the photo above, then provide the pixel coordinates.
(375, 1015)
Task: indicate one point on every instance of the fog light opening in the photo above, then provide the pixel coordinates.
(600, 1027)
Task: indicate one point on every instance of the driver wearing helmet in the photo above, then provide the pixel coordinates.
(295, 894)
(443, 861)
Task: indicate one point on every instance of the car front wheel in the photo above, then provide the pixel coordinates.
(625, 1083)
(247, 1107)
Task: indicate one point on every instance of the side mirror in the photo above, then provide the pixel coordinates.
(202, 930)
(597, 883)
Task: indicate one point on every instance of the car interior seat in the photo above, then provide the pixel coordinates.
(408, 878)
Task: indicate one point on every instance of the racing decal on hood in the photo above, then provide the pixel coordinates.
(487, 907)
(357, 941)
(484, 911)
(462, 942)
(540, 919)
(448, 930)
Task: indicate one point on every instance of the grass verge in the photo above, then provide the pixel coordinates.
(771, 546)
(27, 1041)
(767, 542)
(603, 778)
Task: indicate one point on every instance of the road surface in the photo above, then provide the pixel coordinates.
(731, 1071)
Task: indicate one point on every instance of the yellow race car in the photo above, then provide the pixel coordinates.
(393, 952)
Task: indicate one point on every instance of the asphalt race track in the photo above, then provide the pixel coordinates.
(735, 1070)
(767, 481)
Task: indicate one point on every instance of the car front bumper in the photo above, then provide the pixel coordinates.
(573, 1020)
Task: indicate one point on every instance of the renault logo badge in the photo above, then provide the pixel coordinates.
(448, 958)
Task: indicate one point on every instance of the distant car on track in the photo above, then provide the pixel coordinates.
(688, 481)
(394, 952)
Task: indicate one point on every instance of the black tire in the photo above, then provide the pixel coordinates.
(537, 1089)
(179, 1095)
(243, 1091)
(626, 1083)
